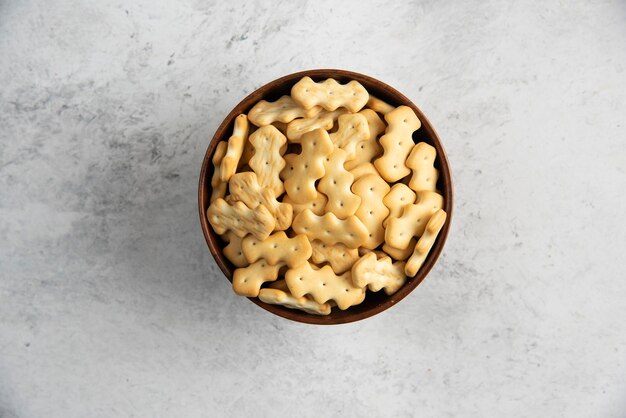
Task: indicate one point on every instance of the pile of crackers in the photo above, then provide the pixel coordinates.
(323, 195)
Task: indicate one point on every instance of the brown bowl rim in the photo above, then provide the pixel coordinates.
(204, 190)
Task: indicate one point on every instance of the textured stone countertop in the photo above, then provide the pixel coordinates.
(111, 305)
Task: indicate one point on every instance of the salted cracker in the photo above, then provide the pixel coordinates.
(240, 219)
(421, 160)
(316, 205)
(353, 128)
(425, 243)
(369, 148)
(245, 187)
(412, 222)
(267, 161)
(324, 285)
(236, 144)
(218, 187)
(277, 249)
(282, 110)
(233, 251)
(336, 184)
(324, 120)
(397, 143)
(247, 281)
(338, 256)
(330, 94)
(372, 211)
(378, 274)
(281, 284)
(331, 230)
(398, 197)
(378, 105)
(304, 169)
(280, 297)
(398, 254)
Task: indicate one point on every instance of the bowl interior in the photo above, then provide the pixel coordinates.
(374, 302)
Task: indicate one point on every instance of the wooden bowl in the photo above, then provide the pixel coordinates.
(374, 302)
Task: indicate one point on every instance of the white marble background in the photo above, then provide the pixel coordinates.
(110, 304)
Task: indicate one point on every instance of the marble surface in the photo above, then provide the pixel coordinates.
(110, 304)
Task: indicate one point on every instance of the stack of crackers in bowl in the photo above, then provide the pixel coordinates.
(319, 200)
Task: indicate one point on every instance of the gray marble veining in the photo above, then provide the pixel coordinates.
(110, 304)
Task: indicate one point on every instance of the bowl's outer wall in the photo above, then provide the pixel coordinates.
(375, 302)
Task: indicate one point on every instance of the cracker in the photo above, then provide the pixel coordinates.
(267, 161)
(240, 219)
(281, 284)
(378, 105)
(306, 168)
(363, 170)
(378, 274)
(336, 184)
(338, 256)
(233, 251)
(218, 187)
(412, 222)
(330, 94)
(279, 297)
(331, 230)
(324, 120)
(247, 281)
(352, 129)
(425, 243)
(397, 143)
(316, 205)
(371, 189)
(369, 148)
(277, 249)
(324, 285)
(398, 254)
(282, 110)
(398, 197)
(236, 144)
(245, 187)
(421, 161)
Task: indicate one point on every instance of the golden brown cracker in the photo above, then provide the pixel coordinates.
(336, 184)
(236, 144)
(338, 256)
(304, 169)
(371, 189)
(282, 110)
(378, 274)
(247, 281)
(277, 249)
(421, 160)
(331, 230)
(425, 243)
(268, 161)
(240, 219)
(330, 94)
(324, 285)
(397, 143)
(245, 187)
(412, 222)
